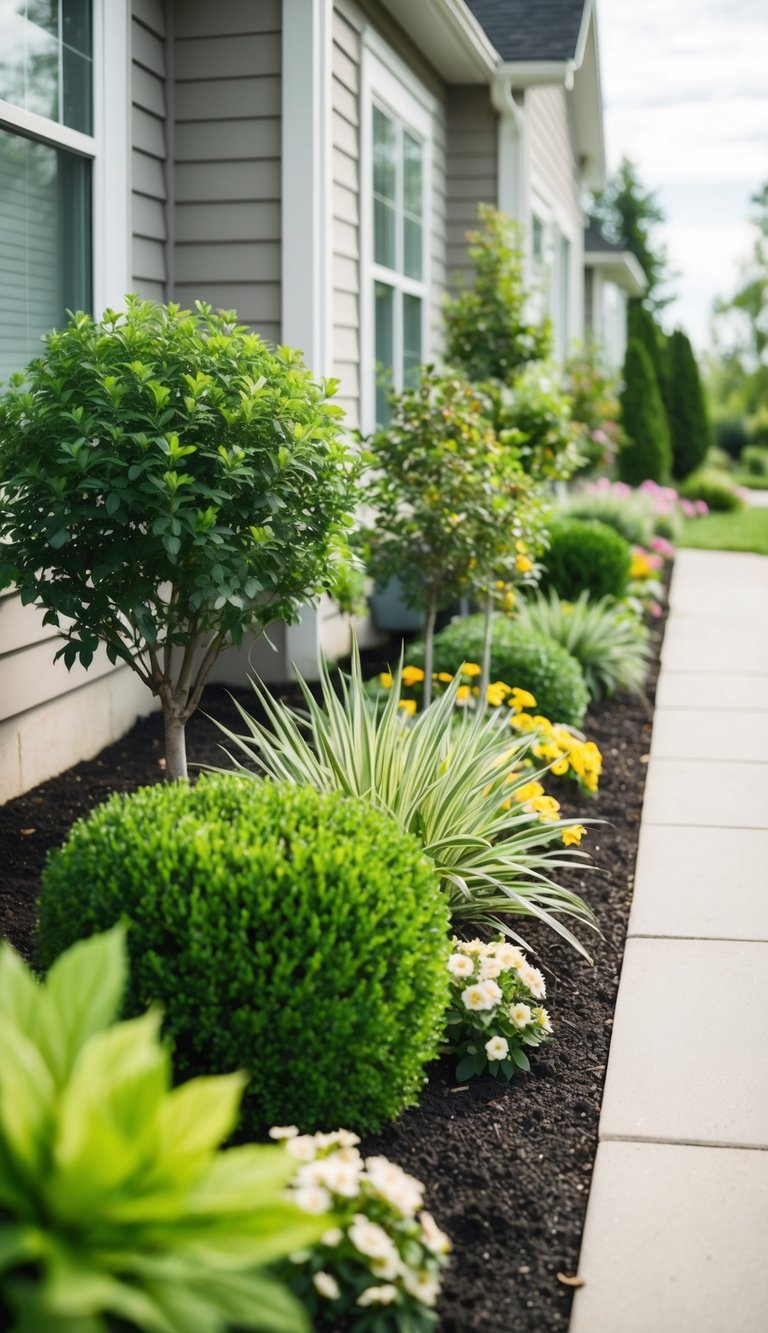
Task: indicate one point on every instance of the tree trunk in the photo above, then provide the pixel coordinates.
(485, 674)
(175, 744)
(429, 640)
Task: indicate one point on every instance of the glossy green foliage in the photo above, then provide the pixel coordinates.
(715, 488)
(646, 455)
(117, 1209)
(689, 427)
(297, 935)
(533, 416)
(586, 556)
(519, 657)
(609, 641)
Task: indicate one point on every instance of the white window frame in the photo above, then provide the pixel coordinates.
(108, 149)
(388, 83)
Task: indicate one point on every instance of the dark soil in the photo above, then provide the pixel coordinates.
(507, 1166)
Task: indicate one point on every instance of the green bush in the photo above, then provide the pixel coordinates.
(117, 1209)
(609, 641)
(689, 430)
(731, 435)
(298, 935)
(754, 460)
(642, 326)
(629, 515)
(518, 657)
(585, 556)
(716, 489)
(646, 455)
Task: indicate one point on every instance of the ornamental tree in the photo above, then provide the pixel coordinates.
(646, 456)
(169, 482)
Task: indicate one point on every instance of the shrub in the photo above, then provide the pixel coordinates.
(715, 489)
(520, 658)
(586, 557)
(493, 1012)
(689, 429)
(608, 641)
(731, 435)
(533, 415)
(628, 512)
(647, 453)
(116, 1208)
(754, 460)
(169, 482)
(298, 935)
(642, 326)
(454, 787)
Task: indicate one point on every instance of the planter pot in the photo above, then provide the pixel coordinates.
(391, 613)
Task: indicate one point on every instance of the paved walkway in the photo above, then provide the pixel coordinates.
(676, 1237)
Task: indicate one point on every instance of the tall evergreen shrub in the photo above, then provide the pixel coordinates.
(689, 428)
(647, 454)
(642, 326)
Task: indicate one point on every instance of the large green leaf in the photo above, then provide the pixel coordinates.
(84, 989)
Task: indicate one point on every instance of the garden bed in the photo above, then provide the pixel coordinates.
(507, 1167)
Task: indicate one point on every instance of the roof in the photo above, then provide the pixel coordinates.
(531, 30)
(615, 261)
(595, 240)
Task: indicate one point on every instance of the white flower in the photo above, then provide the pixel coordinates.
(283, 1131)
(508, 956)
(340, 1174)
(434, 1239)
(370, 1239)
(387, 1268)
(302, 1148)
(473, 947)
(521, 1015)
(384, 1295)
(543, 1020)
(532, 978)
(498, 1047)
(490, 968)
(394, 1184)
(340, 1138)
(476, 997)
(424, 1286)
(346, 1139)
(332, 1237)
(327, 1286)
(312, 1199)
(460, 966)
(492, 991)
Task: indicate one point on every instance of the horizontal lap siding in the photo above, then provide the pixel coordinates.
(227, 167)
(148, 149)
(472, 172)
(554, 162)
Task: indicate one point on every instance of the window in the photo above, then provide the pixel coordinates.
(563, 315)
(46, 147)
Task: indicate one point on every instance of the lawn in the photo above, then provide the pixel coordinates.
(743, 530)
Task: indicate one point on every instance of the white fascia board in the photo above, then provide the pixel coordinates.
(523, 74)
(621, 266)
(112, 161)
(450, 37)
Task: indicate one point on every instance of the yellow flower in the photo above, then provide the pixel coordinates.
(572, 836)
(521, 547)
(408, 706)
(444, 676)
(412, 675)
(385, 679)
(521, 699)
(470, 669)
(640, 568)
(523, 564)
(508, 602)
(530, 792)
(522, 721)
(463, 694)
(546, 807)
(560, 767)
(547, 751)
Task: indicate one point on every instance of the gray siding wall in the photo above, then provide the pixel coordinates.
(348, 355)
(148, 149)
(226, 157)
(472, 169)
(554, 163)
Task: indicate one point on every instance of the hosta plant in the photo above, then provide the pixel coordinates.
(377, 1266)
(453, 788)
(117, 1209)
(495, 1009)
(608, 640)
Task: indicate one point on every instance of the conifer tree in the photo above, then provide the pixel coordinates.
(689, 428)
(647, 455)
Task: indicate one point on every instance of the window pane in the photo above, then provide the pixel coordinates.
(565, 294)
(412, 307)
(77, 109)
(41, 70)
(384, 220)
(538, 238)
(384, 156)
(384, 349)
(412, 170)
(412, 247)
(45, 266)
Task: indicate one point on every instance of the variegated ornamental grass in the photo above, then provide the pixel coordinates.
(452, 785)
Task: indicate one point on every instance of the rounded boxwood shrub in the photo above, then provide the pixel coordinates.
(518, 657)
(715, 488)
(299, 935)
(586, 556)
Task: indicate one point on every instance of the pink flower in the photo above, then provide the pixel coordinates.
(655, 609)
(663, 547)
(688, 508)
(702, 507)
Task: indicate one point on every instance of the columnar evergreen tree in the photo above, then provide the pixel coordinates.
(689, 428)
(642, 325)
(647, 455)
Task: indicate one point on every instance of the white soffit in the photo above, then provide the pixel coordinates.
(621, 266)
(450, 37)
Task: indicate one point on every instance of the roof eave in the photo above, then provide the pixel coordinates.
(450, 36)
(621, 266)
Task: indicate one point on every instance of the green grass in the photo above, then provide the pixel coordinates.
(743, 530)
(752, 482)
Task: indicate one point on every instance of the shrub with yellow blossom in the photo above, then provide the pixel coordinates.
(378, 1264)
(495, 1008)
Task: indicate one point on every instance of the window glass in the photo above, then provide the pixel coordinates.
(564, 312)
(412, 307)
(45, 244)
(413, 153)
(46, 58)
(384, 300)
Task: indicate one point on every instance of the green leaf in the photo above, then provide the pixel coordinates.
(520, 1058)
(83, 989)
(465, 1068)
(59, 538)
(26, 1099)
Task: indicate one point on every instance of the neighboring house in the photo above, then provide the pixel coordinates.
(612, 275)
(314, 164)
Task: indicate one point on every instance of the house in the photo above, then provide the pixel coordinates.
(314, 164)
(612, 276)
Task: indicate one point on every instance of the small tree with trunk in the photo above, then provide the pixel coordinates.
(169, 482)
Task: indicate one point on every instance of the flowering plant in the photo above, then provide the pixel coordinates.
(377, 1265)
(494, 1012)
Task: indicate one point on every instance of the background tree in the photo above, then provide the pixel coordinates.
(169, 482)
(738, 377)
(689, 428)
(628, 214)
(647, 454)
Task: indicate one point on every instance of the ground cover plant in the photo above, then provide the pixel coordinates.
(714, 487)
(169, 482)
(608, 640)
(586, 556)
(296, 934)
(494, 1012)
(117, 1206)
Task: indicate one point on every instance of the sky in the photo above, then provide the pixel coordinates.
(685, 90)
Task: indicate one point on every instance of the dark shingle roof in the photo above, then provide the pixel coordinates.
(531, 29)
(594, 240)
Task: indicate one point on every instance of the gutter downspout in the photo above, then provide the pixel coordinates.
(512, 150)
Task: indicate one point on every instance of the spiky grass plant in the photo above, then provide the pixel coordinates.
(608, 640)
(452, 785)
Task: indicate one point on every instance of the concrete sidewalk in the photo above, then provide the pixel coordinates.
(676, 1237)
